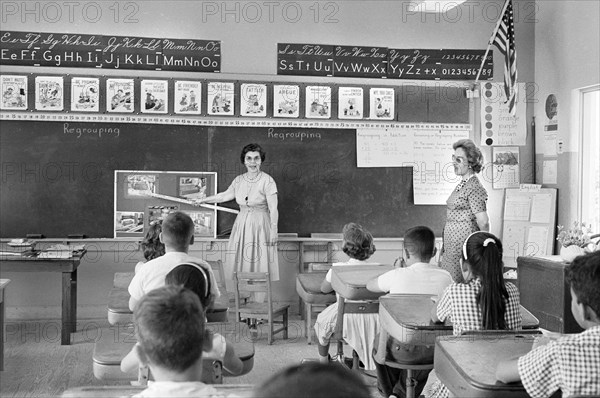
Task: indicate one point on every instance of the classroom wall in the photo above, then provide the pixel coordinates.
(567, 49)
(249, 51)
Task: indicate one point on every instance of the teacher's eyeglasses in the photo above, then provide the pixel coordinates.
(458, 159)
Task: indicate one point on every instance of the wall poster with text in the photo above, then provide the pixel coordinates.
(188, 96)
(253, 100)
(381, 101)
(14, 92)
(350, 103)
(286, 100)
(49, 93)
(154, 96)
(318, 102)
(85, 94)
(119, 95)
(220, 98)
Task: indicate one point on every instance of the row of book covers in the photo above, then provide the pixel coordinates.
(119, 97)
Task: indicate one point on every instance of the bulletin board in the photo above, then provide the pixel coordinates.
(529, 223)
(143, 198)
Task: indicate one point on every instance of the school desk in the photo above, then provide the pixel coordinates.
(29, 262)
(407, 318)
(119, 312)
(350, 282)
(3, 283)
(227, 390)
(467, 364)
(115, 342)
(308, 287)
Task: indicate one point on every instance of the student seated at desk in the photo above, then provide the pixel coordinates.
(177, 235)
(358, 245)
(484, 301)
(416, 276)
(315, 380)
(194, 277)
(570, 363)
(151, 245)
(170, 332)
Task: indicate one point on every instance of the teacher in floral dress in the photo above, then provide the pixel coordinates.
(466, 206)
(253, 239)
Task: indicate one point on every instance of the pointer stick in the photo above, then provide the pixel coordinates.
(189, 202)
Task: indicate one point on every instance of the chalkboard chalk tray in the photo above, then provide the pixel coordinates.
(57, 178)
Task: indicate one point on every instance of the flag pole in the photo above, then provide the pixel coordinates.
(491, 39)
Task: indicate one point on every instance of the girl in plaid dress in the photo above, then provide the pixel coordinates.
(484, 301)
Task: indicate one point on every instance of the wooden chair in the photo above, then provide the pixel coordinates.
(219, 271)
(252, 310)
(308, 287)
(121, 280)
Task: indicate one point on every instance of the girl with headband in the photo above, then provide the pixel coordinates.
(484, 301)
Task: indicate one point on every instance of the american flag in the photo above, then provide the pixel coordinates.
(504, 40)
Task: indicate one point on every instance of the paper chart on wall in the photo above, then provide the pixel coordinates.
(537, 238)
(425, 149)
(541, 208)
(513, 240)
(517, 208)
(498, 126)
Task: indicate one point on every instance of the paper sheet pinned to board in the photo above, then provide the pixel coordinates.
(517, 208)
(541, 208)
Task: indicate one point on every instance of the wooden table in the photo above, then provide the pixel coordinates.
(28, 262)
(3, 283)
(350, 281)
(467, 364)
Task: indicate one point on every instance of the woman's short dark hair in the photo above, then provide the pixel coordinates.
(474, 156)
(358, 242)
(253, 148)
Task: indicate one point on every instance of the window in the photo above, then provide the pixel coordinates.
(589, 192)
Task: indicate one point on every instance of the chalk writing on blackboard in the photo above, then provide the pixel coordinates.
(78, 131)
(293, 135)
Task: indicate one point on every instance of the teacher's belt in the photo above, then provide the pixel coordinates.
(252, 209)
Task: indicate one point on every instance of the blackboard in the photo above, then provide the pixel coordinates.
(57, 177)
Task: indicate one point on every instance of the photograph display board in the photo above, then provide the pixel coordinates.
(143, 198)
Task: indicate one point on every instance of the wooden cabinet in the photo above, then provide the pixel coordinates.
(545, 293)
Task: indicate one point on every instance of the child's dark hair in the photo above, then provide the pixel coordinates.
(420, 241)
(358, 242)
(151, 244)
(170, 327)
(193, 277)
(583, 274)
(178, 230)
(314, 380)
(483, 251)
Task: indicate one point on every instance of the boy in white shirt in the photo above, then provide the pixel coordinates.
(177, 235)
(416, 276)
